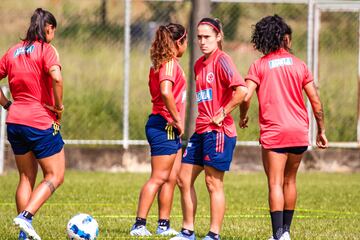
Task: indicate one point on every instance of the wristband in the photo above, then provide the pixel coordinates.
(7, 105)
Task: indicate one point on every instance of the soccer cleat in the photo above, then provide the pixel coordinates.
(286, 236)
(22, 236)
(281, 238)
(25, 225)
(139, 231)
(208, 238)
(166, 231)
(182, 236)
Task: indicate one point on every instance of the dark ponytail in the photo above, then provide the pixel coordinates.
(164, 46)
(36, 30)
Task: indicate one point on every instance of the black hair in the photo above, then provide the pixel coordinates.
(269, 34)
(36, 30)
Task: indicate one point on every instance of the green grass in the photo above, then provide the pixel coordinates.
(328, 206)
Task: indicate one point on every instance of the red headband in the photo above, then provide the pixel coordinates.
(210, 24)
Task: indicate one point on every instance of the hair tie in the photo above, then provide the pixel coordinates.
(182, 36)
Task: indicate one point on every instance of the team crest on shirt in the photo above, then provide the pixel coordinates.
(210, 77)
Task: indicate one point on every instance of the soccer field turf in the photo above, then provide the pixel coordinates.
(328, 206)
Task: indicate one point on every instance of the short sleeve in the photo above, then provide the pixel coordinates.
(167, 71)
(253, 74)
(3, 66)
(228, 73)
(51, 57)
(308, 77)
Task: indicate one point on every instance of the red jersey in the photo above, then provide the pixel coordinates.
(30, 83)
(215, 78)
(283, 118)
(173, 72)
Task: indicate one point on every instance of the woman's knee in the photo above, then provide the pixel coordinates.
(183, 181)
(213, 184)
(54, 180)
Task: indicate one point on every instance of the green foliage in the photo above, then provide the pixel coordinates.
(229, 16)
(91, 54)
(327, 208)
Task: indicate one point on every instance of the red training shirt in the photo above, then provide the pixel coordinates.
(173, 72)
(215, 78)
(283, 118)
(30, 83)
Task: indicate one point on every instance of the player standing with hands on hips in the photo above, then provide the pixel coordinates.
(279, 79)
(165, 127)
(33, 121)
(219, 90)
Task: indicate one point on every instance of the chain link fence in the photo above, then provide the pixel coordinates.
(90, 40)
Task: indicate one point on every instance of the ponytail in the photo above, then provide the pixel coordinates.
(163, 48)
(36, 30)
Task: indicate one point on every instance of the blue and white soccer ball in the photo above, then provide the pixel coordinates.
(82, 227)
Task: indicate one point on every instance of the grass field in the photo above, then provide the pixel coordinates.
(328, 206)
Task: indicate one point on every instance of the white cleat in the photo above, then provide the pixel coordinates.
(27, 228)
(140, 231)
(286, 236)
(164, 231)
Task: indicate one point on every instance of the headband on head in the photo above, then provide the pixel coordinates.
(182, 36)
(211, 22)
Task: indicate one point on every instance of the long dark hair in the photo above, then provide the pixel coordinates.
(269, 34)
(164, 45)
(36, 30)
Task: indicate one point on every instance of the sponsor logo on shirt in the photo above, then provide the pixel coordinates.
(280, 62)
(21, 50)
(210, 77)
(204, 95)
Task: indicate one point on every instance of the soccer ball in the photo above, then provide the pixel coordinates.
(82, 227)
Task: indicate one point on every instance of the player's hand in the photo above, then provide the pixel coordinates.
(243, 122)
(179, 126)
(58, 111)
(219, 118)
(321, 140)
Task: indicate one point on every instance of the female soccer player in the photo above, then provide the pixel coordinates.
(34, 74)
(219, 89)
(279, 78)
(165, 126)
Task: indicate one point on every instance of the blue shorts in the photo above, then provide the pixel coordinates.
(293, 150)
(43, 143)
(212, 149)
(163, 139)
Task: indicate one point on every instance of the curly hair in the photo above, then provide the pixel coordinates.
(269, 33)
(163, 49)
